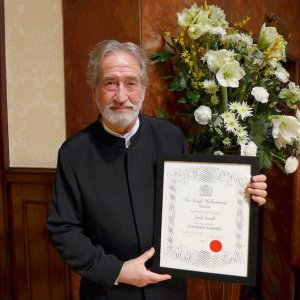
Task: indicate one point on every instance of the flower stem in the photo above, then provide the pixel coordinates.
(194, 55)
(278, 157)
(224, 98)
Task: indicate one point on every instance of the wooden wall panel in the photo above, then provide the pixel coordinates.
(296, 204)
(277, 275)
(5, 287)
(85, 24)
(37, 270)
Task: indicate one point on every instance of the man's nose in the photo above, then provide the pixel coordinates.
(121, 94)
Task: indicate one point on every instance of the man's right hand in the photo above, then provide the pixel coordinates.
(135, 273)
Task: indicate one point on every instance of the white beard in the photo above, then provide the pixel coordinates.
(120, 119)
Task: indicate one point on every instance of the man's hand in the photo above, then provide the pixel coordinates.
(135, 273)
(257, 188)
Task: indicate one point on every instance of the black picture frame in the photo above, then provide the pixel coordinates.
(184, 223)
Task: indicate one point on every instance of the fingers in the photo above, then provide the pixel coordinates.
(260, 192)
(259, 178)
(146, 255)
(135, 273)
(155, 278)
(257, 188)
(259, 200)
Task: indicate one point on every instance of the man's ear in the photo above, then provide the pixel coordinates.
(94, 94)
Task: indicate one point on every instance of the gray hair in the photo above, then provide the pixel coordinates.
(106, 47)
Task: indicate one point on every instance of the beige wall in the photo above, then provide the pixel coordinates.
(35, 81)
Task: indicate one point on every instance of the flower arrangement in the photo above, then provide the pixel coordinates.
(236, 93)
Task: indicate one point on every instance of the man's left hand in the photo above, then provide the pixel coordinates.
(257, 188)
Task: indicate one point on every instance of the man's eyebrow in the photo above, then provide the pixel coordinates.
(108, 77)
(130, 77)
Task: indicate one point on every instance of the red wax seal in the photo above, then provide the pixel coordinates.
(215, 246)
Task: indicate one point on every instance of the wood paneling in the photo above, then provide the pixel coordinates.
(277, 276)
(37, 270)
(5, 287)
(85, 24)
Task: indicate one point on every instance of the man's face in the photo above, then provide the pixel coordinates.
(120, 93)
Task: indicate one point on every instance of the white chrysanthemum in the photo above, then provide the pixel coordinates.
(218, 153)
(227, 141)
(249, 149)
(282, 74)
(228, 116)
(218, 31)
(210, 86)
(291, 165)
(246, 39)
(244, 110)
(232, 125)
(217, 16)
(285, 130)
(233, 106)
(242, 140)
(238, 40)
(240, 131)
(230, 74)
(216, 59)
(260, 94)
(203, 115)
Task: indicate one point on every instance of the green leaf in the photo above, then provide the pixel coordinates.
(193, 96)
(182, 67)
(161, 56)
(265, 161)
(258, 131)
(161, 113)
(218, 122)
(178, 84)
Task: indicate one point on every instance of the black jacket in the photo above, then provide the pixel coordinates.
(103, 206)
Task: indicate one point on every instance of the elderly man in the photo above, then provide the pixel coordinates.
(101, 218)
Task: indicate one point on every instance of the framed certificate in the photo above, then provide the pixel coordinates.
(205, 224)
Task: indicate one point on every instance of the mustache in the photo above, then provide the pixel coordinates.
(116, 104)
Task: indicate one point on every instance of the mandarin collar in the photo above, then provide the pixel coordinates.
(102, 135)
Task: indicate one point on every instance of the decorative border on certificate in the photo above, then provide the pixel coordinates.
(205, 224)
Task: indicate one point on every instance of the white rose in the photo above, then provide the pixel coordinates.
(291, 165)
(298, 114)
(218, 153)
(260, 94)
(249, 149)
(202, 115)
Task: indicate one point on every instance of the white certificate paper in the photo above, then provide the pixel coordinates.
(205, 218)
